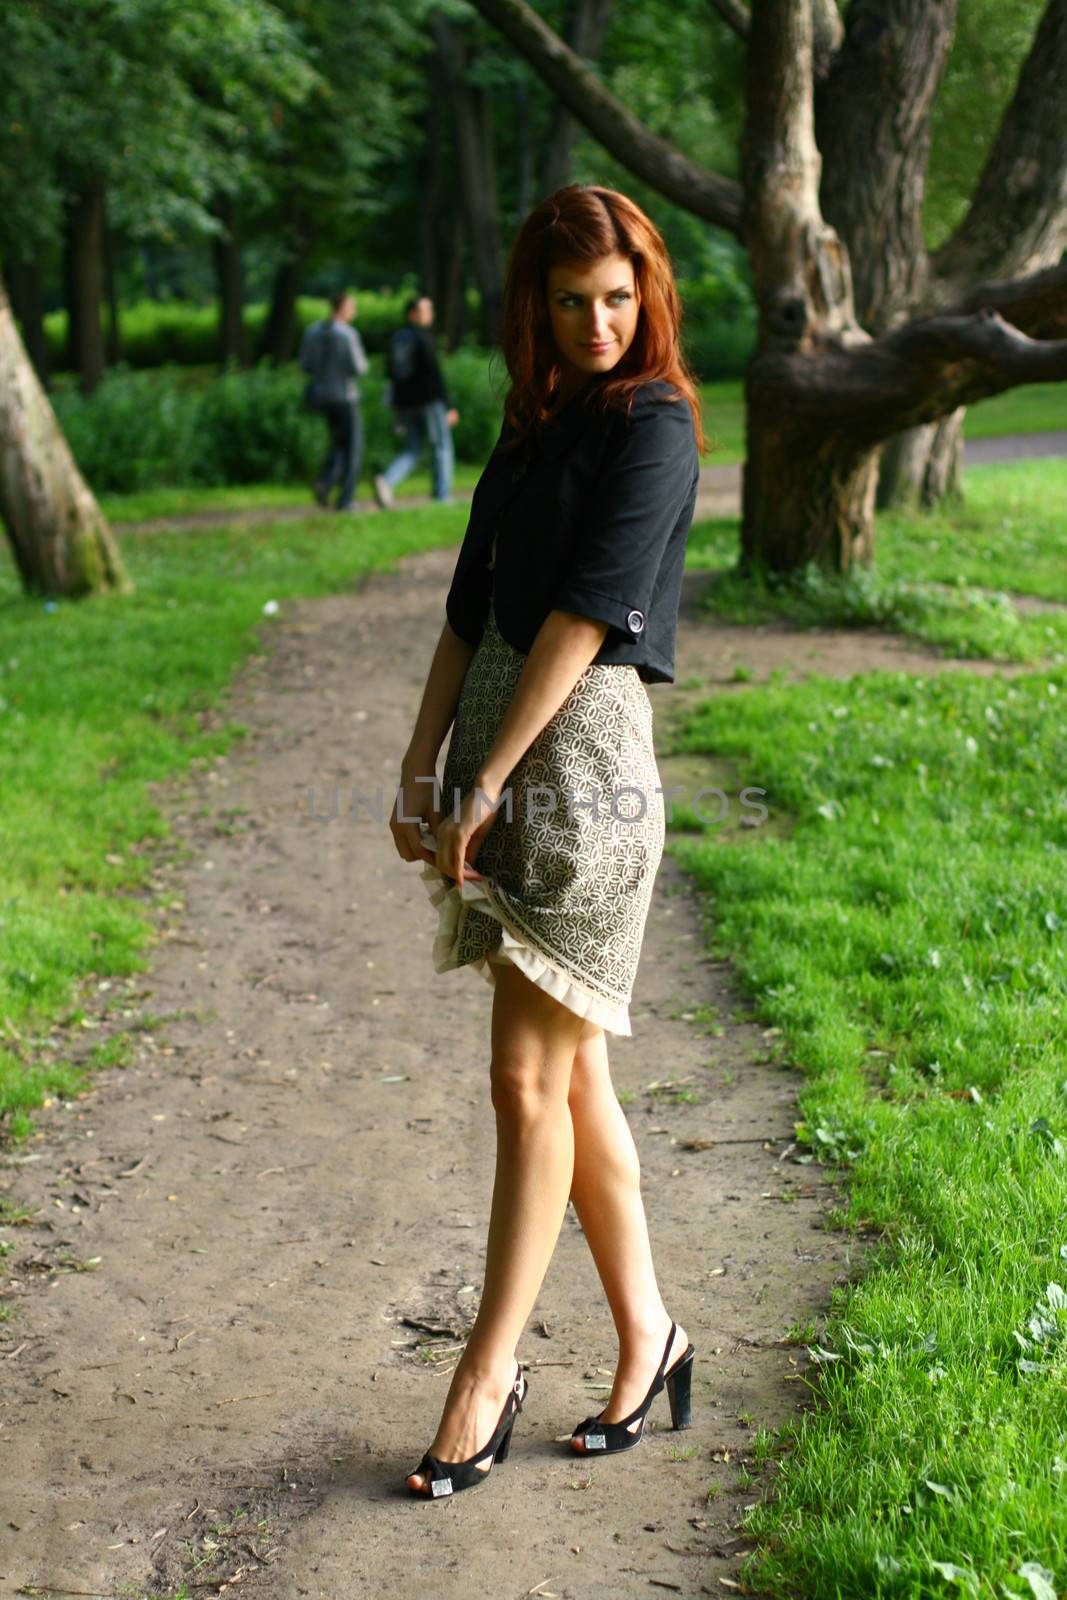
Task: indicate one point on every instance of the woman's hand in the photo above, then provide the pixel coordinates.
(414, 799)
(459, 839)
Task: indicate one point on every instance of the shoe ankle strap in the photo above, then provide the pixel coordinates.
(666, 1351)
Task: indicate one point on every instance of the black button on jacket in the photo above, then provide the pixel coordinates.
(591, 514)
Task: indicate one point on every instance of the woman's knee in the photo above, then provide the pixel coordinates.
(523, 1086)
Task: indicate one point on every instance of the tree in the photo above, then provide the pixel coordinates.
(324, 182)
(141, 114)
(586, 21)
(880, 96)
(475, 169)
(61, 542)
(824, 391)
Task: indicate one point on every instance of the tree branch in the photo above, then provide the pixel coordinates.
(1017, 220)
(736, 14)
(927, 368)
(1000, 354)
(707, 194)
(1037, 304)
(588, 23)
(828, 32)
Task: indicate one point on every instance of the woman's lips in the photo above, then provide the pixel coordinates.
(598, 349)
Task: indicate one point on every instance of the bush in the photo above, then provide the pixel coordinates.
(156, 333)
(175, 426)
(137, 430)
(719, 320)
(252, 429)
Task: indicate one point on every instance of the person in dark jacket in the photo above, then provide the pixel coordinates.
(420, 400)
(332, 354)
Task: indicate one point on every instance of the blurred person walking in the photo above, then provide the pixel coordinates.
(420, 400)
(332, 354)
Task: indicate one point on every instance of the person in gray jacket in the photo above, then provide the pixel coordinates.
(332, 354)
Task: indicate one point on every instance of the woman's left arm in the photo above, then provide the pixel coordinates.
(564, 646)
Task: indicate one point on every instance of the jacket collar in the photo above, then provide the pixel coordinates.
(512, 469)
(552, 438)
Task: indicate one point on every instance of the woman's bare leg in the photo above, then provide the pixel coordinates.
(534, 1042)
(606, 1192)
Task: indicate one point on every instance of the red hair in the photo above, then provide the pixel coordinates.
(582, 223)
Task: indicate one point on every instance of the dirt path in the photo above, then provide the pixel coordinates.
(299, 1158)
(720, 488)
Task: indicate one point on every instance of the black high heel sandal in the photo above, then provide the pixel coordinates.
(606, 1438)
(449, 1477)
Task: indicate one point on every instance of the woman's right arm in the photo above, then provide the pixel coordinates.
(437, 710)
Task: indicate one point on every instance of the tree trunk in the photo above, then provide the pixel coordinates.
(586, 23)
(61, 542)
(524, 155)
(432, 182)
(921, 467)
(279, 336)
(873, 122)
(806, 496)
(872, 116)
(454, 324)
(24, 282)
(85, 281)
(114, 332)
(804, 504)
(229, 278)
(1016, 224)
(477, 195)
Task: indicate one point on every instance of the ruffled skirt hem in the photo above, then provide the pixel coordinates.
(610, 1015)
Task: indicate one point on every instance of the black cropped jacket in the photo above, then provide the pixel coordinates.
(591, 515)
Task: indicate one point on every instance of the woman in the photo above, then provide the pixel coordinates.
(563, 605)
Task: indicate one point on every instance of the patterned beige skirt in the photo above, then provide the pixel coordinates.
(568, 870)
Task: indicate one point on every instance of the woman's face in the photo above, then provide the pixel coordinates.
(593, 307)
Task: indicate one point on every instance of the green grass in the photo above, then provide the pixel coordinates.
(724, 422)
(1033, 408)
(100, 698)
(945, 578)
(908, 934)
(148, 504)
(1009, 533)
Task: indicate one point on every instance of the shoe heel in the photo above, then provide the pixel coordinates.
(679, 1393)
(504, 1447)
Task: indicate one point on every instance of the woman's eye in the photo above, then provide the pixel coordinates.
(569, 301)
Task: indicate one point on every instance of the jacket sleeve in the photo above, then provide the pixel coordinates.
(642, 493)
(360, 364)
(467, 601)
(437, 374)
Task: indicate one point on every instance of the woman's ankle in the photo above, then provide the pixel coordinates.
(645, 1330)
(481, 1368)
